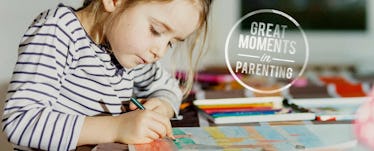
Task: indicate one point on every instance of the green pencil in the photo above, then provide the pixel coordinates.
(137, 103)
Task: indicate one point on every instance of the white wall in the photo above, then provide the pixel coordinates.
(15, 16)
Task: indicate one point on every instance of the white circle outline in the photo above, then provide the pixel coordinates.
(254, 13)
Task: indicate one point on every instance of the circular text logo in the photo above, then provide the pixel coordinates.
(268, 49)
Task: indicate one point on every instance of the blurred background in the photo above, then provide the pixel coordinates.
(340, 33)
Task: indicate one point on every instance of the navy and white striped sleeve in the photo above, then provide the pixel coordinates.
(154, 81)
(29, 118)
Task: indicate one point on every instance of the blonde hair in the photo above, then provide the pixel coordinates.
(103, 20)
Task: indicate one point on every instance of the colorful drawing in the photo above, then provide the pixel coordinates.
(242, 138)
(164, 144)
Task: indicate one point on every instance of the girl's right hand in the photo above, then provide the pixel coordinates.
(142, 126)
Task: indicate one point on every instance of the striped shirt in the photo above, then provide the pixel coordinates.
(61, 76)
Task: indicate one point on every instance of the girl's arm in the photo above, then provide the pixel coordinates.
(96, 130)
(30, 119)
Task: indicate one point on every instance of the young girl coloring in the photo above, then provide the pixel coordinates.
(74, 65)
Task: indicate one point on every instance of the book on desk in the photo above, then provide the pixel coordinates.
(268, 109)
(246, 110)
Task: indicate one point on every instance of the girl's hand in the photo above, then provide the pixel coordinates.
(155, 104)
(142, 126)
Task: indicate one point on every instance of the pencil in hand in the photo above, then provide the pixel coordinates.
(137, 103)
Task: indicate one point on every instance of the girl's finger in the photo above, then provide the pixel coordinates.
(158, 128)
(152, 135)
(166, 123)
(152, 104)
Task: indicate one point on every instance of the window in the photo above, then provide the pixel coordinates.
(335, 15)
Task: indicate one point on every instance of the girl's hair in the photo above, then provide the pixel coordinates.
(103, 19)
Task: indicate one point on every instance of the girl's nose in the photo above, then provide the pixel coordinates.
(158, 53)
(155, 54)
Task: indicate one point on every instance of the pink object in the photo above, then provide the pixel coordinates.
(223, 78)
(208, 77)
(301, 82)
(364, 124)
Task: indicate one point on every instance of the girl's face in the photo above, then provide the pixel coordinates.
(144, 32)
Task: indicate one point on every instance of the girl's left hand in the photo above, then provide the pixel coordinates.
(155, 104)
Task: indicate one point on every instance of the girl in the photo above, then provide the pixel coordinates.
(73, 65)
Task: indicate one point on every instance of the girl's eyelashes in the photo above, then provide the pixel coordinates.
(154, 31)
(171, 44)
(157, 33)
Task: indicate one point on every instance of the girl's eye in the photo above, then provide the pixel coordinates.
(153, 31)
(170, 44)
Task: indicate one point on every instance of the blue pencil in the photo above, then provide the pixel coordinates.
(242, 113)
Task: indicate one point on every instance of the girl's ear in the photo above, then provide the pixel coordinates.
(110, 5)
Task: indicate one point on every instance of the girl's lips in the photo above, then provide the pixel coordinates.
(142, 61)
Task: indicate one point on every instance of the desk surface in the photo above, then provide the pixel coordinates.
(337, 135)
(265, 137)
